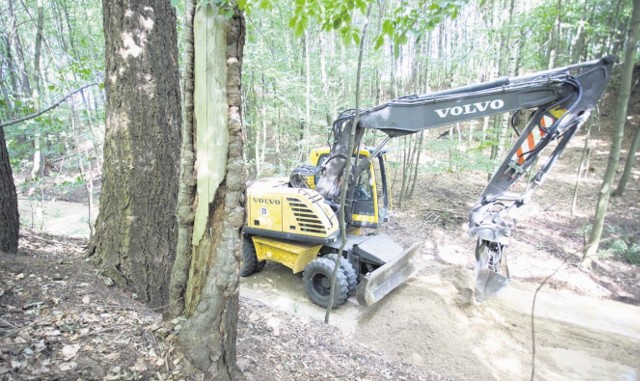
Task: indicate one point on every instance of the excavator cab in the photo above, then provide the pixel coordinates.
(370, 200)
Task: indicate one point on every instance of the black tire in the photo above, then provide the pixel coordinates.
(317, 282)
(349, 272)
(250, 263)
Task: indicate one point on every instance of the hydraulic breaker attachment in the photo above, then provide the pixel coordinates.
(375, 285)
(489, 260)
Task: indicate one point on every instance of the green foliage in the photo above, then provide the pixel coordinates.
(622, 248)
(71, 56)
(225, 8)
(405, 17)
(618, 242)
(595, 16)
(415, 18)
(455, 156)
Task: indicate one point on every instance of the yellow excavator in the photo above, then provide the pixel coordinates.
(294, 220)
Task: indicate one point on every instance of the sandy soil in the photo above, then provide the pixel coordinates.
(432, 322)
(55, 217)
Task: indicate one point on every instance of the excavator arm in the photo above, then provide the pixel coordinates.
(562, 100)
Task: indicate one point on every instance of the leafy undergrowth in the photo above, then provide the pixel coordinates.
(59, 320)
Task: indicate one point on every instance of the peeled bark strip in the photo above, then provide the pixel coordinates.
(9, 218)
(136, 230)
(209, 335)
(186, 193)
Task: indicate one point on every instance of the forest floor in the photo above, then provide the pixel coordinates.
(61, 320)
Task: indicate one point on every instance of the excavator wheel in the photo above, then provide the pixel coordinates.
(349, 272)
(250, 263)
(317, 282)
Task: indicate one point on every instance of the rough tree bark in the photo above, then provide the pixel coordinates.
(135, 239)
(9, 218)
(205, 277)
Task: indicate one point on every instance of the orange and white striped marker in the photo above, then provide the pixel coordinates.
(538, 133)
(534, 137)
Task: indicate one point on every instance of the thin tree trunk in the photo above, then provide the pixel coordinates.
(406, 169)
(38, 156)
(577, 44)
(581, 167)
(10, 67)
(417, 164)
(17, 45)
(263, 140)
(554, 37)
(591, 248)
(87, 175)
(628, 166)
(307, 113)
(500, 122)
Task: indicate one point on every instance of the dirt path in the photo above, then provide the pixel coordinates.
(55, 217)
(430, 322)
(434, 327)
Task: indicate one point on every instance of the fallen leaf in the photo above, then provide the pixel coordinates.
(86, 299)
(139, 366)
(40, 346)
(113, 356)
(90, 318)
(52, 332)
(66, 366)
(70, 351)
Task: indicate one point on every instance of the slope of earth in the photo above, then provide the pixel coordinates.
(432, 322)
(435, 325)
(59, 320)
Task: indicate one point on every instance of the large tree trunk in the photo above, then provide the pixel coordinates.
(135, 239)
(207, 271)
(9, 219)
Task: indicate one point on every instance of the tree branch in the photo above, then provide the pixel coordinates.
(6, 124)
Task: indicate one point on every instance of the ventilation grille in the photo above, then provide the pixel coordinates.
(306, 218)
